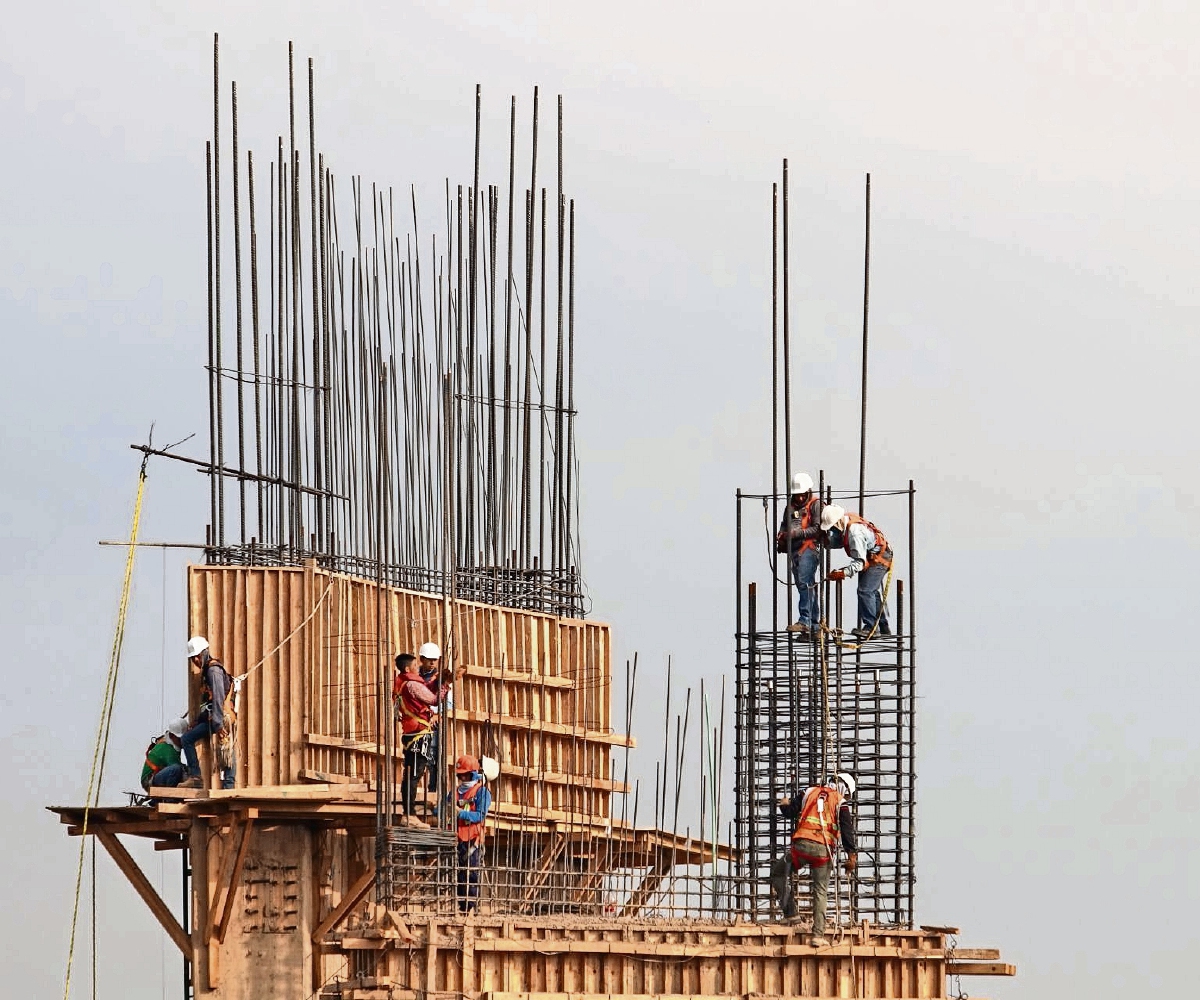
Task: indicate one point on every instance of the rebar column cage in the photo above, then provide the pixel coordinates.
(807, 707)
(417, 869)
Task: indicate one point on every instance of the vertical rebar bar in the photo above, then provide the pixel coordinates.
(862, 438)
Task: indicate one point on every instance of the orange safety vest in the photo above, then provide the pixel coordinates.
(883, 555)
(469, 831)
(818, 822)
(416, 718)
(808, 515)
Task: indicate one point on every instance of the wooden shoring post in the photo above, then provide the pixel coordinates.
(354, 895)
(234, 865)
(649, 884)
(142, 886)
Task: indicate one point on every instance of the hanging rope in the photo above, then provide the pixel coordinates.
(100, 750)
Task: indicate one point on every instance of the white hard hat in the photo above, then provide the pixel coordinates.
(197, 644)
(801, 483)
(490, 767)
(178, 727)
(830, 515)
(430, 651)
(847, 779)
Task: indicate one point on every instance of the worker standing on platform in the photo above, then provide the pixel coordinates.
(215, 717)
(824, 817)
(416, 709)
(800, 537)
(473, 800)
(162, 768)
(870, 558)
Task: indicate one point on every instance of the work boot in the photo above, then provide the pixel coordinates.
(190, 783)
(818, 941)
(799, 628)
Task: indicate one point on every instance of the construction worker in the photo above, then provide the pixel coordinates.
(823, 817)
(416, 708)
(215, 717)
(162, 768)
(473, 801)
(870, 558)
(800, 537)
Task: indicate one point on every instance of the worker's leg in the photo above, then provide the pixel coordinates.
(820, 884)
(870, 600)
(201, 730)
(805, 566)
(168, 777)
(408, 787)
(469, 860)
(781, 883)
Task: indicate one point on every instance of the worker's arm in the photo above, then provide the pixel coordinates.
(857, 541)
(846, 825)
(419, 691)
(790, 807)
(218, 685)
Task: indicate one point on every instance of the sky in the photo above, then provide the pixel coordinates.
(1033, 309)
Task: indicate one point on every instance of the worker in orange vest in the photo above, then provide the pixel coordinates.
(473, 800)
(870, 559)
(823, 817)
(800, 537)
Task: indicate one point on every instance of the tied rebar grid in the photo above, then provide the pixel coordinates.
(807, 708)
(416, 870)
(378, 356)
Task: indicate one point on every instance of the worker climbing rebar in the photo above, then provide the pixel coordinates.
(823, 818)
(800, 537)
(870, 559)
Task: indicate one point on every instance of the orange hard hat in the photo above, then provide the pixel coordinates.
(465, 764)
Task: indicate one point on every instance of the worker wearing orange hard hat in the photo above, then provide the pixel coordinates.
(473, 800)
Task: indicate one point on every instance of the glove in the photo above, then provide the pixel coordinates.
(781, 544)
(464, 815)
(851, 862)
(837, 574)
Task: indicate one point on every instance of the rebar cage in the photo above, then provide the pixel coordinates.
(809, 706)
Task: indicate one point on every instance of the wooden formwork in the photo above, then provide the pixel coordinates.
(535, 693)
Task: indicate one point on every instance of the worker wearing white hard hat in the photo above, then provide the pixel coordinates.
(870, 560)
(215, 716)
(800, 537)
(162, 768)
(823, 820)
(436, 676)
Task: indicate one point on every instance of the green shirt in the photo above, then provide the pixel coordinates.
(161, 754)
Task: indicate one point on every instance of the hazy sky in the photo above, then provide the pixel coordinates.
(1033, 314)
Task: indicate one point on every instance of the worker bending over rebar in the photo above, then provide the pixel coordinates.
(800, 536)
(870, 558)
(824, 817)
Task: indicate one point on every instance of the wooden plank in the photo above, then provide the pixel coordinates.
(142, 886)
(980, 969)
(354, 895)
(974, 955)
(235, 877)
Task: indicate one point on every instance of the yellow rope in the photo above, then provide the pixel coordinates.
(100, 751)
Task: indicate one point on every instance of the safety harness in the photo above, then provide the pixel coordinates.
(882, 554)
(469, 832)
(817, 829)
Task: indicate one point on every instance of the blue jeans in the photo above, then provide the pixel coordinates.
(870, 600)
(805, 565)
(201, 730)
(168, 777)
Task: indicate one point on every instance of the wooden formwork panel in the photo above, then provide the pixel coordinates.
(535, 693)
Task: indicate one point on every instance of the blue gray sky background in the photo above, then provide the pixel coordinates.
(1034, 367)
